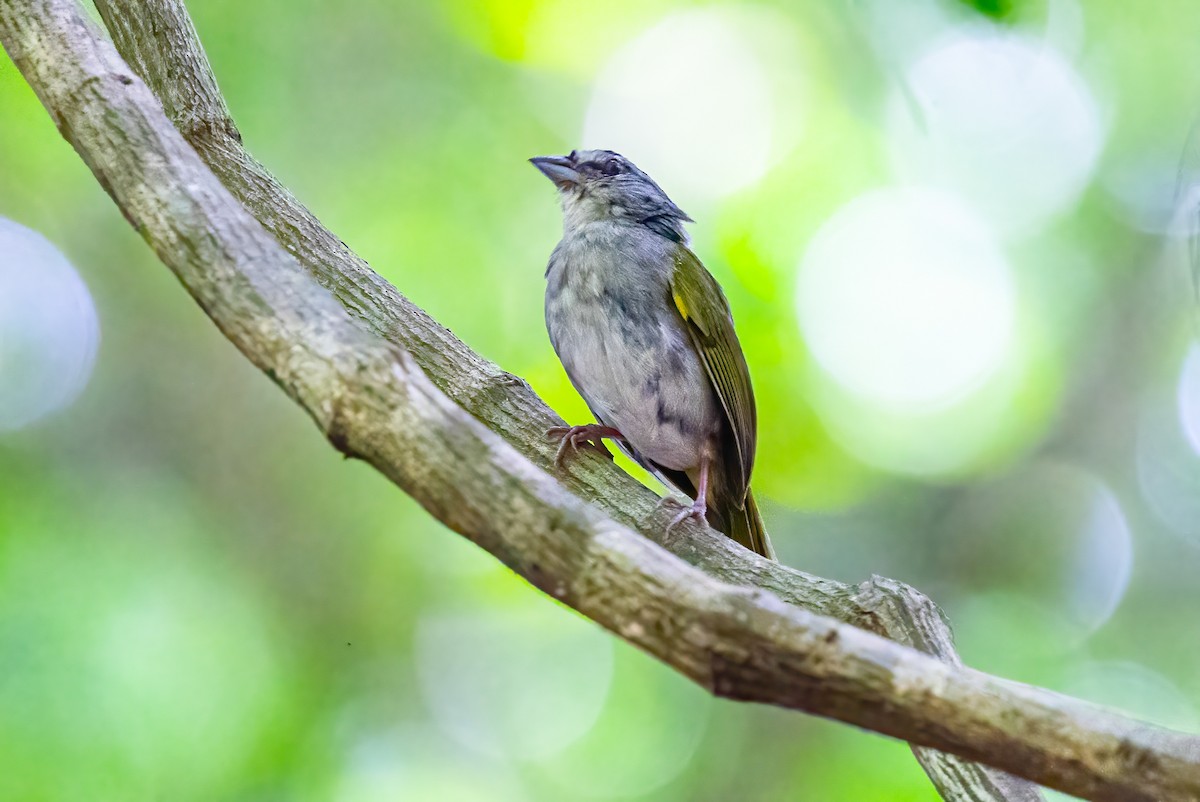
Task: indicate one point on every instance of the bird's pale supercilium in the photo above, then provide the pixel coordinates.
(646, 337)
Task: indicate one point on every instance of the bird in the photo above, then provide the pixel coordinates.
(647, 338)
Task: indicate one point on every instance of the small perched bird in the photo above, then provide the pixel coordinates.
(646, 337)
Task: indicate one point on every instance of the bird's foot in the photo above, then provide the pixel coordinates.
(573, 437)
(697, 510)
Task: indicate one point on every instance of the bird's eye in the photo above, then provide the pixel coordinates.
(573, 157)
(612, 166)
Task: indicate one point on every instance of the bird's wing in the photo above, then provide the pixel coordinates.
(705, 313)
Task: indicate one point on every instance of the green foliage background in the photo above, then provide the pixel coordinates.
(199, 599)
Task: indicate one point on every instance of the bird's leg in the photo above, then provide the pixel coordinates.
(699, 507)
(592, 436)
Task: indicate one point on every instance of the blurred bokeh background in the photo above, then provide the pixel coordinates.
(948, 232)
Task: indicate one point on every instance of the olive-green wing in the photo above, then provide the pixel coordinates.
(705, 312)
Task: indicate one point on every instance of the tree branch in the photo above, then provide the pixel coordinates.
(375, 401)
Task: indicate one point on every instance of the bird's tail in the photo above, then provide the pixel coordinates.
(744, 525)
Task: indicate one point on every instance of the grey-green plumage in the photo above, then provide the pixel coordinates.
(645, 335)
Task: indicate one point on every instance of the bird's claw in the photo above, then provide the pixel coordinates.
(574, 437)
(697, 510)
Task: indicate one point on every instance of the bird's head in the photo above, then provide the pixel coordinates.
(599, 185)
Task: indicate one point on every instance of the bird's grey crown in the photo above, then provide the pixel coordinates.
(612, 187)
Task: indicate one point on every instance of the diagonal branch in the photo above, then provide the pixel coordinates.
(375, 401)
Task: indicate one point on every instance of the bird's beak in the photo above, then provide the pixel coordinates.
(559, 169)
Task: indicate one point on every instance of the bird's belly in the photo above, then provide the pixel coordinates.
(643, 378)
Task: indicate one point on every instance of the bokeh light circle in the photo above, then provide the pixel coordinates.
(1143, 192)
(691, 101)
(651, 732)
(1168, 451)
(1101, 562)
(517, 684)
(1189, 398)
(1000, 118)
(49, 331)
(1136, 689)
(416, 763)
(905, 299)
(1055, 534)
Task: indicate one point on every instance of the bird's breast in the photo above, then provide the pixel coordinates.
(625, 349)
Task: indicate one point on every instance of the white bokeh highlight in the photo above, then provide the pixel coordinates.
(49, 331)
(652, 728)
(1168, 451)
(906, 300)
(1002, 119)
(691, 101)
(522, 684)
(1057, 536)
(413, 763)
(1143, 190)
(1167, 461)
(1188, 396)
(1099, 571)
(1135, 689)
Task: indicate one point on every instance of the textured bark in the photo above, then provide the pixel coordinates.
(386, 383)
